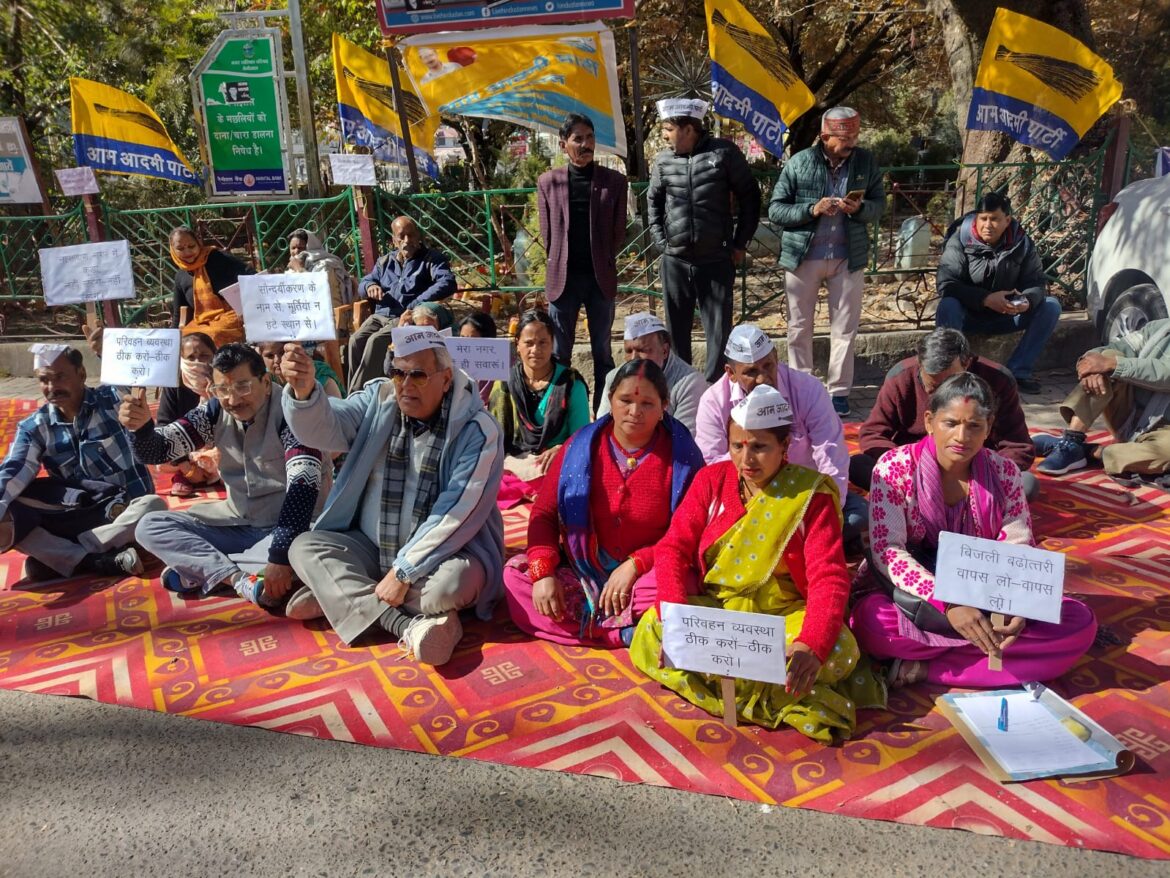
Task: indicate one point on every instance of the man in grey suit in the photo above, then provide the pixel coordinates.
(582, 209)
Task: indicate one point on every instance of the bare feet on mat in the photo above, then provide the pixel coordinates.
(906, 673)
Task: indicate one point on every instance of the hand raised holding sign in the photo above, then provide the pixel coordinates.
(297, 368)
(133, 413)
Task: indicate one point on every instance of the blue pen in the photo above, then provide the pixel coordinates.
(1002, 725)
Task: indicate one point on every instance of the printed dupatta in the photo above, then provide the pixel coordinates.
(592, 565)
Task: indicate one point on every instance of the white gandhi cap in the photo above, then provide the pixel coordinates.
(765, 407)
(409, 340)
(642, 323)
(747, 343)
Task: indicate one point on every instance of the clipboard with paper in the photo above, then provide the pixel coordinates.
(1046, 736)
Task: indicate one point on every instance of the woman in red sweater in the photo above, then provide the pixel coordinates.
(764, 536)
(617, 482)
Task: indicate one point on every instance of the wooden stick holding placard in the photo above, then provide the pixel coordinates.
(91, 316)
(995, 662)
(728, 687)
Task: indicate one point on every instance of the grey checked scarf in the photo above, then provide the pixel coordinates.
(397, 461)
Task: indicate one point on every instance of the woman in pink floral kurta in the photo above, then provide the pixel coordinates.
(949, 481)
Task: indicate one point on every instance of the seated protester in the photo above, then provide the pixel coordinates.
(479, 324)
(542, 404)
(791, 516)
(201, 274)
(951, 481)
(991, 280)
(274, 483)
(410, 534)
(80, 516)
(413, 273)
(201, 468)
(897, 417)
(817, 438)
(1127, 384)
(431, 314)
(272, 351)
(618, 481)
(646, 338)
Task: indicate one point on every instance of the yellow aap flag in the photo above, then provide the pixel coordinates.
(533, 76)
(1029, 67)
(752, 78)
(114, 131)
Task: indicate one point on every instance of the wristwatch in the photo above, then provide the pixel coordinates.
(400, 576)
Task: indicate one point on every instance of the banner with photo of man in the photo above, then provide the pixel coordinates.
(532, 76)
(752, 80)
(115, 132)
(369, 117)
(1039, 85)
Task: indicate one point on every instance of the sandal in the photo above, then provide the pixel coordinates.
(905, 672)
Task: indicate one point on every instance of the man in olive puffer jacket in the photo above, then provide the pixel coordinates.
(694, 227)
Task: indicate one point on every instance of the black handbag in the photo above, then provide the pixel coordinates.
(918, 610)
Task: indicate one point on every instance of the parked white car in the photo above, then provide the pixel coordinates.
(1129, 271)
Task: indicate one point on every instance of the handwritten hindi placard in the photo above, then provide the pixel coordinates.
(287, 307)
(77, 181)
(140, 357)
(999, 577)
(725, 643)
(484, 359)
(352, 170)
(81, 273)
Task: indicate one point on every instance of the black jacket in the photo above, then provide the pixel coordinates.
(223, 271)
(690, 206)
(970, 269)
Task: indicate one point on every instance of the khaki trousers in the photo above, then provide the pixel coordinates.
(844, 288)
(1147, 455)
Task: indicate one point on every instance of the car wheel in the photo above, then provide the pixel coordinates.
(1132, 310)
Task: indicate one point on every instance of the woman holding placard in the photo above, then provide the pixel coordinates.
(200, 469)
(203, 273)
(542, 404)
(949, 482)
(589, 569)
(758, 534)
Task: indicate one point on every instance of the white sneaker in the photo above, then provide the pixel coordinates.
(303, 605)
(432, 639)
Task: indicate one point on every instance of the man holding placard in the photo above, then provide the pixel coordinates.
(646, 338)
(274, 483)
(80, 517)
(411, 533)
(412, 274)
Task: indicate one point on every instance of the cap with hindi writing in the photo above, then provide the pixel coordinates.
(747, 343)
(765, 407)
(642, 323)
(673, 108)
(45, 354)
(409, 340)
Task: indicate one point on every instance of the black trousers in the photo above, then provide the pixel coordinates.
(712, 288)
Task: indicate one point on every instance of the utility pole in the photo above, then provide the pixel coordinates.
(304, 100)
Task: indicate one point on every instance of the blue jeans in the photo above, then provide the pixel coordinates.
(1037, 324)
(599, 311)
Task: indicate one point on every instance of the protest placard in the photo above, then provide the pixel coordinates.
(77, 181)
(999, 577)
(352, 170)
(287, 307)
(484, 359)
(725, 643)
(140, 357)
(81, 273)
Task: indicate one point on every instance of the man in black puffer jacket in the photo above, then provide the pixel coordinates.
(692, 224)
(991, 280)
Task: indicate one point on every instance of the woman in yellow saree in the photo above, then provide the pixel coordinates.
(760, 535)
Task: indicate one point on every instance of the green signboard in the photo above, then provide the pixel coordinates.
(238, 86)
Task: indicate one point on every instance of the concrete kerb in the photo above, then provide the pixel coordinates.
(876, 352)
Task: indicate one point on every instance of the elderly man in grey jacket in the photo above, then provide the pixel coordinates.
(1127, 383)
(411, 533)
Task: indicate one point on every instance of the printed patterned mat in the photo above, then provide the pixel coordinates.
(505, 698)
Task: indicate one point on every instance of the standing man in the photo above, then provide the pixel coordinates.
(824, 199)
(582, 209)
(700, 233)
(412, 274)
(991, 280)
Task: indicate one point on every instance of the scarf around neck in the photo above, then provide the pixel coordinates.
(984, 501)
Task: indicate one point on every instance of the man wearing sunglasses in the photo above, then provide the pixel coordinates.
(274, 484)
(411, 533)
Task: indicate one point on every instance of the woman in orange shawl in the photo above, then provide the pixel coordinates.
(203, 273)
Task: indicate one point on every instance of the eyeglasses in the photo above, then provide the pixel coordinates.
(239, 388)
(417, 377)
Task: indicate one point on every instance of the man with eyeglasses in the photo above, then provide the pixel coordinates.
(897, 416)
(411, 533)
(274, 484)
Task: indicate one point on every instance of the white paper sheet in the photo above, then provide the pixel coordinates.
(999, 577)
(287, 307)
(726, 643)
(1034, 741)
(140, 357)
(80, 273)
